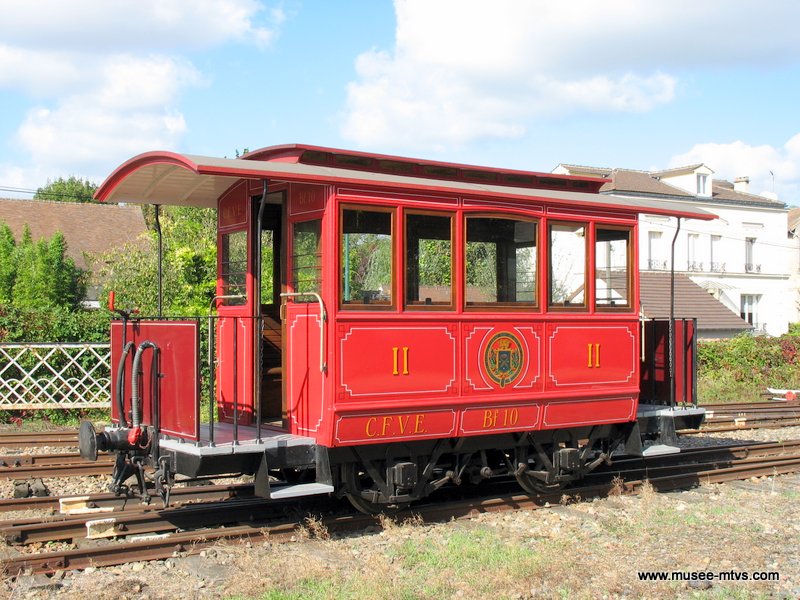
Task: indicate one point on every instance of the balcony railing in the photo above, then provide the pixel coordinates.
(717, 267)
(657, 265)
(694, 265)
(752, 268)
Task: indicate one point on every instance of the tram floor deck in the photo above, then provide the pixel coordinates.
(244, 439)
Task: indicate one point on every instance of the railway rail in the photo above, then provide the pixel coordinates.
(250, 518)
(754, 415)
(36, 439)
(26, 466)
(100, 516)
(720, 418)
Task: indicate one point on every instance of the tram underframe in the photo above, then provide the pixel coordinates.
(389, 477)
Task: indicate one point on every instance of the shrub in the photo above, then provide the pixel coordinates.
(741, 368)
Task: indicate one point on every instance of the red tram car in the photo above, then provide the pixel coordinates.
(384, 326)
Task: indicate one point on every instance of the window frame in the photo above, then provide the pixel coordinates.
(453, 216)
(533, 306)
(748, 308)
(702, 184)
(392, 210)
(293, 280)
(224, 288)
(587, 267)
(628, 306)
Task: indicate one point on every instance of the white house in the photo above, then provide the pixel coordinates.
(742, 258)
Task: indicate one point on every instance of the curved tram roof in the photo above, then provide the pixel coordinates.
(189, 180)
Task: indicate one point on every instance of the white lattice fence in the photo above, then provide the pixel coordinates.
(36, 376)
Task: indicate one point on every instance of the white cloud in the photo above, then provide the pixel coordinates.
(467, 69)
(123, 25)
(760, 163)
(108, 109)
(107, 77)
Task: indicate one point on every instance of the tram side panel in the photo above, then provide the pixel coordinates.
(177, 343)
(656, 373)
(594, 367)
(400, 381)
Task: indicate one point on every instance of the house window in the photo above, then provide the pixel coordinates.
(749, 253)
(691, 254)
(717, 264)
(749, 308)
(702, 184)
(655, 260)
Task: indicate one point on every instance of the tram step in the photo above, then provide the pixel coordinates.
(659, 449)
(301, 489)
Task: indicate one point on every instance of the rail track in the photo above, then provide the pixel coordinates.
(28, 466)
(754, 415)
(152, 532)
(720, 418)
(36, 439)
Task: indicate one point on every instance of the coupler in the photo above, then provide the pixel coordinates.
(126, 439)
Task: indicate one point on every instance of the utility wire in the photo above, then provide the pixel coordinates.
(46, 195)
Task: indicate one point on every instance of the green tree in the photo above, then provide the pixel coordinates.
(8, 263)
(71, 189)
(189, 265)
(45, 276)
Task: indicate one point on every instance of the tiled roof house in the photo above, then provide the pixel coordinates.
(88, 228)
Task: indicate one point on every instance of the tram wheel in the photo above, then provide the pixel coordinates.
(527, 481)
(535, 486)
(358, 486)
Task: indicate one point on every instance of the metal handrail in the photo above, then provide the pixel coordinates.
(323, 365)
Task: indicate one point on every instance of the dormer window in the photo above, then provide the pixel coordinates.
(702, 184)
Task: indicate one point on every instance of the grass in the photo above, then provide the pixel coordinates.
(584, 551)
(462, 558)
(547, 554)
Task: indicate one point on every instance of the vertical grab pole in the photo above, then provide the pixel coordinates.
(212, 392)
(672, 317)
(257, 313)
(235, 381)
(693, 363)
(160, 258)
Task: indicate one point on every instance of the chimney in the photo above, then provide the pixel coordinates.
(741, 184)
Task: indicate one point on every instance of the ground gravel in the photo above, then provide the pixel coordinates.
(590, 549)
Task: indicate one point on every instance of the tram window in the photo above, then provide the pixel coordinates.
(366, 253)
(612, 268)
(234, 267)
(306, 258)
(567, 265)
(429, 260)
(501, 262)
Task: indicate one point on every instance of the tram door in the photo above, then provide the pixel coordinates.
(271, 334)
(304, 325)
(234, 339)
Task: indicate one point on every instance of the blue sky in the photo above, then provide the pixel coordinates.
(86, 84)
